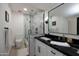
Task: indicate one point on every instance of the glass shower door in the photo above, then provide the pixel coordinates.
(34, 26)
(27, 30)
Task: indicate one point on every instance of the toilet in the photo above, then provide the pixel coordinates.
(22, 47)
(19, 43)
(22, 52)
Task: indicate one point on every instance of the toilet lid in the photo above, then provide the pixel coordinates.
(19, 40)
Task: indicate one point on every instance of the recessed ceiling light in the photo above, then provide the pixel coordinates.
(25, 9)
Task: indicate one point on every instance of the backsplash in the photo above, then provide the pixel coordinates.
(56, 38)
(63, 39)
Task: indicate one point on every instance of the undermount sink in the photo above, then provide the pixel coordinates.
(65, 44)
(45, 38)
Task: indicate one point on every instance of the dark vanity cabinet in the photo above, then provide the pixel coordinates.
(77, 25)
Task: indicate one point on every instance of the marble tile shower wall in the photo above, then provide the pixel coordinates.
(37, 24)
(27, 26)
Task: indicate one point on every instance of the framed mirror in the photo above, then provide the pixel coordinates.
(64, 19)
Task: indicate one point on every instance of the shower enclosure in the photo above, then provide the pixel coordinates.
(34, 26)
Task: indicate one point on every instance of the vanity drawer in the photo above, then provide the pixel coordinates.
(55, 52)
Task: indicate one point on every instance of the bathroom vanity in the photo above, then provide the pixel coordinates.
(43, 47)
(45, 50)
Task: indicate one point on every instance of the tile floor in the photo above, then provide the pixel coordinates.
(23, 51)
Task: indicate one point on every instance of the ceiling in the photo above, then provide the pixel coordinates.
(32, 7)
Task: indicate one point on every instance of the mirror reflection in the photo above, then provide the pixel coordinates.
(64, 19)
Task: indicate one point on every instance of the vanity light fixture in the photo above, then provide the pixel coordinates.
(25, 9)
(46, 20)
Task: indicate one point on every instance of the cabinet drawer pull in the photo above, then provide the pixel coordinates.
(53, 52)
(39, 49)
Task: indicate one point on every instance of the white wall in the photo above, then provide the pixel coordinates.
(3, 7)
(17, 25)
